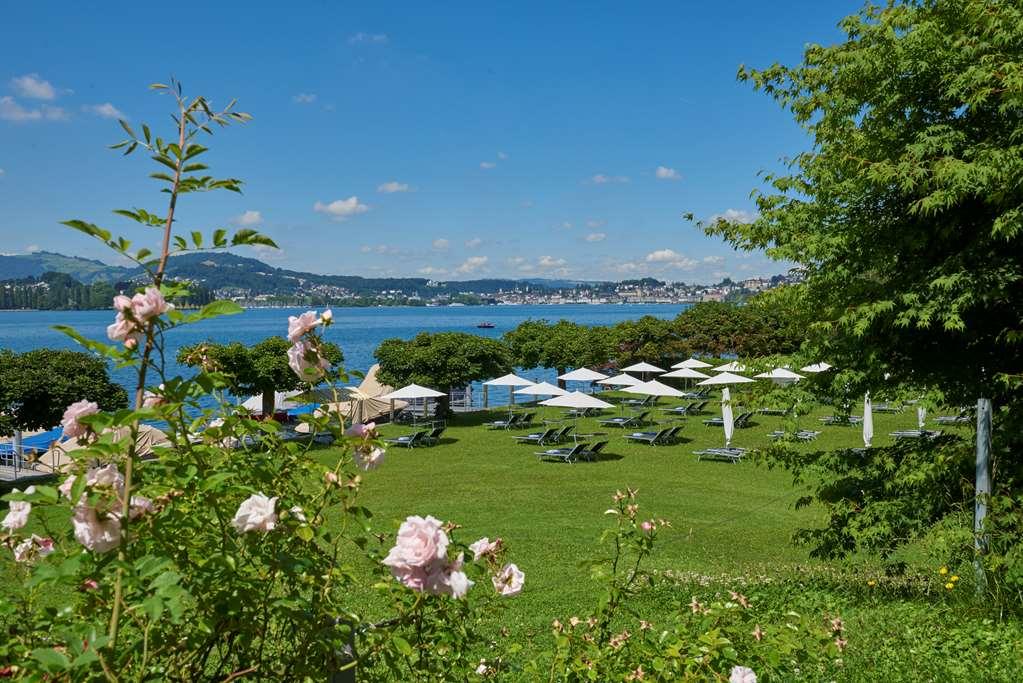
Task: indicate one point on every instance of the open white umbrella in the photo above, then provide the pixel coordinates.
(734, 366)
(510, 380)
(726, 416)
(816, 367)
(724, 378)
(621, 380)
(412, 391)
(576, 399)
(541, 389)
(582, 375)
(690, 363)
(686, 373)
(868, 421)
(642, 367)
(779, 373)
(653, 388)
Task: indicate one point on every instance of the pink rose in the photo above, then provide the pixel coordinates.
(420, 542)
(447, 578)
(17, 512)
(140, 506)
(509, 580)
(107, 476)
(484, 547)
(368, 459)
(257, 513)
(149, 305)
(89, 585)
(97, 534)
(305, 360)
(742, 674)
(124, 330)
(122, 304)
(298, 327)
(65, 488)
(647, 526)
(360, 430)
(72, 427)
(33, 547)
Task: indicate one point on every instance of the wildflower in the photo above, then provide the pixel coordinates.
(742, 674)
(872, 583)
(368, 458)
(758, 633)
(509, 580)
(330, 477)
(256, 513)
(484, 547)
(695, 605)
(618, 497)
(647, 526)
(574, 621)
(637, 675)
(89, 585)
(17, 513)
(631, 510)
(556, 625)
(72, 427)
(297, 513)
(644, 625)
(943, 571)
(139, 506)
(739, 598)
(327, 317)
(954, 578)
(950, 585)
(618, 640)
(837, 625)
(840, 643)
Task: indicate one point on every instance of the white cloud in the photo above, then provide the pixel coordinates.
(604, 179)
(626, 268)
(105, 110)
(379, 249)
(551, 262)
(714, 260)
(671, 258)
(370, 38)
(473, 243)
(304, 98)
(32, 248)
(733, 216)
(33, 87)
(430, 270)
(341, 209)
(441, 244)
(248, 219)
(11, 110)
(392, 187)
(487, 165)
(472, 264)
(596, 237)
(502, 156)
(515, 260)
(595, 223)
(666, 173)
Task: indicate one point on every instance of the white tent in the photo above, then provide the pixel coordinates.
(582, 375)
(576, 399)
(724, 378)
(726, 416)
(411, 392)
(642, 367)
(510, 380)
(868, 421)
(690, 363)
(541, 389)
(734, 366)
(816, 367)
(653, 388)
(621, 380)
(686, 373)
(779, 373)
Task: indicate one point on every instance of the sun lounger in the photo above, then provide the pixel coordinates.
(916, 434)
(886, 408)
(408, 440)
(512, 421)
(801, 435)
(962, 418)
(562, 433)
(568, 455)
(773, 411)
(538, 438)
(623, 422)
(525, 421)
(638, 402)
(594, 452)
(698, 395)
(661, 437)
(681, 410)
(433, 437)
(741, 422)
(731, 454)
(841, 420)
(582, 412)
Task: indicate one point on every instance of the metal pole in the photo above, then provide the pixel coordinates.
(19, 451)
(983, 488)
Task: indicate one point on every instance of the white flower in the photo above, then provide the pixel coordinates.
(484, 546)
(297, 513)
(742, 674)
(256, 514)
(509, 580)
(17, 514)
(97, 535)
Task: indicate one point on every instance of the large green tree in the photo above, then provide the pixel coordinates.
(905, 216)
(258, 369)
(36, 387)
(561, 345)
(442, 361)
(758, 328)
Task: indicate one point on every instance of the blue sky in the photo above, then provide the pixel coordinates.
(450, 140)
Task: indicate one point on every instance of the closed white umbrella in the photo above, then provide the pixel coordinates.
(690, 363)
(724, 378)
(726, 416)
(686, 373)
(576, 399)
(734, 366)
(582, 375)
(510, 380)
(816, 367)
(642, 367)
(868, 421)
(921, 416)
(653, 388)
(541, 389)
(621, 380)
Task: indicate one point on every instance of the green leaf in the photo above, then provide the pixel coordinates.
(127, 128)
(52, 660)
(153, 607)
(88, 228)
(402, 645)
(197, 239)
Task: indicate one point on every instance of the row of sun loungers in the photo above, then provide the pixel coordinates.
(693, 408)
(658, 438)
(801, 435)
(580, 451)
(729, 454)
(426, 437)
(740, 422)
(626, 421)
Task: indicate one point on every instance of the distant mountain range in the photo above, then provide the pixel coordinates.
(224, 270)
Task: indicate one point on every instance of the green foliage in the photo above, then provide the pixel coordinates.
(561, 345)
(762, 327)
(36, 387)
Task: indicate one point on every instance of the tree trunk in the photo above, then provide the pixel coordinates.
(268, 403)
(444, 404)
(561, 382)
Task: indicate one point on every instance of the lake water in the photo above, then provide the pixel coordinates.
(358, 331)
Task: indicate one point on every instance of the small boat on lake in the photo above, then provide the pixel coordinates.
(485, 325)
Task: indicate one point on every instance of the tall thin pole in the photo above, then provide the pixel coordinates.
(983, 488)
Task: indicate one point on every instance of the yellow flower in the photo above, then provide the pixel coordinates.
(954, 578)
(950, 586)
(872, 582)
(943, 571)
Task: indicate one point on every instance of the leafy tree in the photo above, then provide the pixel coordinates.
(648, 339)
(258, 369)
(36, 387)
(564, 344)
(442, 361)
(906, 218)
(755, 329)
